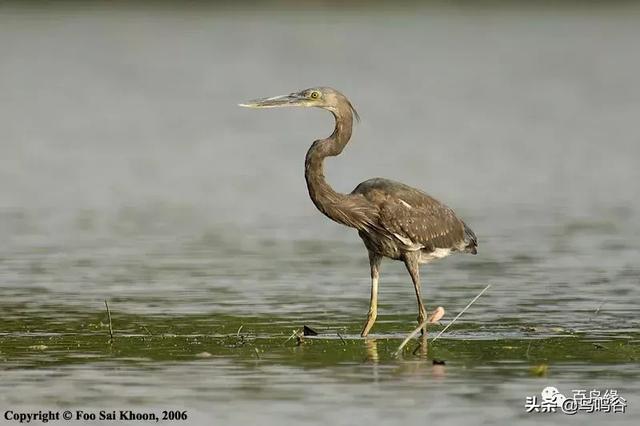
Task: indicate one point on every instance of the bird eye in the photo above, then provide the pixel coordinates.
(315, 95)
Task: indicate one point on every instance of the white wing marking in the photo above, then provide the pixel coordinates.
(406, 204)
(407, 242)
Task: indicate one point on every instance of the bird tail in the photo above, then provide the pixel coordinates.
(471, 240)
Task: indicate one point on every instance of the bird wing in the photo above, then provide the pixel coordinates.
(416, 219)
(422, 226)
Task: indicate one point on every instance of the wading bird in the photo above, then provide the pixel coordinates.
(394, 220)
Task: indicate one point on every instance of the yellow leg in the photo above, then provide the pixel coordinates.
(374, 262)
(411, 262)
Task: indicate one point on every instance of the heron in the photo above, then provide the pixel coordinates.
(393, 220)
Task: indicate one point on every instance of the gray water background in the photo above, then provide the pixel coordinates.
(128, 173)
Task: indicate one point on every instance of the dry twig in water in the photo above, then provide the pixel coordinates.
(461, 312)
(239, 336)
(110, 324)
(295, 333)
(430, 319)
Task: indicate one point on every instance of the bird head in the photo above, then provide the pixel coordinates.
(319, 97)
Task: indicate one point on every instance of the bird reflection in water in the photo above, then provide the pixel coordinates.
(417, 365)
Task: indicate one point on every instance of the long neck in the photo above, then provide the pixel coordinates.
(333, 204)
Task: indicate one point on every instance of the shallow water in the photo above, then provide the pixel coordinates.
(128, 174)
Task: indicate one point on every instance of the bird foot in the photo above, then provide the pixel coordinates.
(368, 325)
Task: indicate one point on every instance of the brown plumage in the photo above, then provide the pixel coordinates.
(394, 220)
(416, 220)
